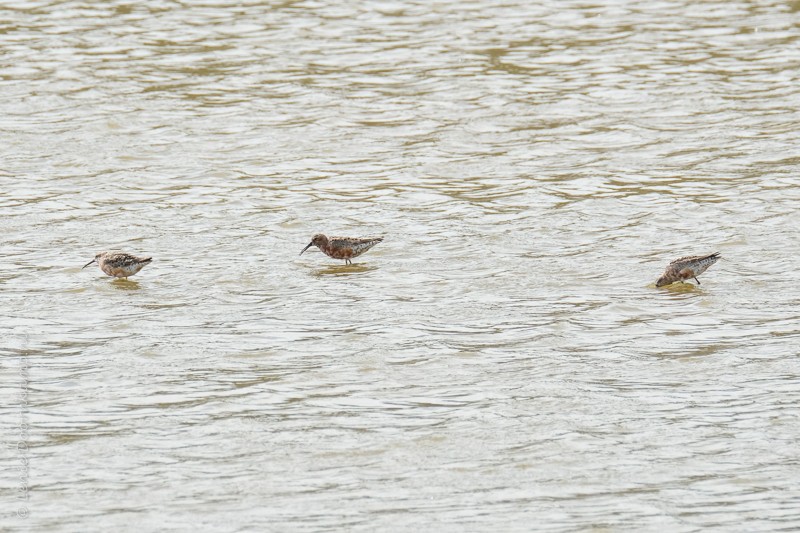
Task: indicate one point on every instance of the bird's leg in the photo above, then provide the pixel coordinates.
(697, 280)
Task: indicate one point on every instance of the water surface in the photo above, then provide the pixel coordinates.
(501, 362)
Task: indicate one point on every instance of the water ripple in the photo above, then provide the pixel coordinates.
(502, 358)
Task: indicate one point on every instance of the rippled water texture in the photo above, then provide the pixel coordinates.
(501, 362)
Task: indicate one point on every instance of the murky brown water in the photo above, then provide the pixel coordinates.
(502, 362)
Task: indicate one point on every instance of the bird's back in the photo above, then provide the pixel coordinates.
(120, 264)
(696, 261)
(353, 245)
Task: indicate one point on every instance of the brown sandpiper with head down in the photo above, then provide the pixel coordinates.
(342, 247)
(119, 264)
(687, 267)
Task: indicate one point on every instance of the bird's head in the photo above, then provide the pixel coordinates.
(96, 259)
(319, 240)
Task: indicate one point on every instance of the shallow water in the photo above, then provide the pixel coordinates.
(501, 362)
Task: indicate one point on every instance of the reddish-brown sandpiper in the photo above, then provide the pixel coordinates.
(119, 264)
(687, 267)
(342, 247)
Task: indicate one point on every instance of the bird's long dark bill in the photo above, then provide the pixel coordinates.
(307, 247)
(89, 263)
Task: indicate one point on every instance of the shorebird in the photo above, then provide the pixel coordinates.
(342, 247)
(687, 267)
(119, 264)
